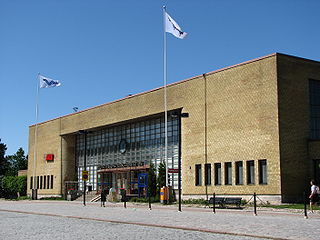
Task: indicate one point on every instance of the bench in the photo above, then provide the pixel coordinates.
(217, 201)
(233, 201)
(223, 202)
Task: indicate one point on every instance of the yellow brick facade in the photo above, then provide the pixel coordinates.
(253, 111)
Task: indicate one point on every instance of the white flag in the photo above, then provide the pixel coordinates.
(172, 27)
(48, 82)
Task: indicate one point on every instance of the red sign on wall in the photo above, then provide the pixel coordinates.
(50, 157)
(173, 170)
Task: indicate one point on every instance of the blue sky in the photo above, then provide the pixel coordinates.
(105, 50)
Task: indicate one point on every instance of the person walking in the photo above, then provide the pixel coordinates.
(103, 197)
(314, 197)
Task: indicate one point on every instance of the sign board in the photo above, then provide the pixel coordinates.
(49, 157)
(173, 170)
(85, 175)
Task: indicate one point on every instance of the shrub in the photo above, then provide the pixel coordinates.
(52, 198)
(24, 198)
(195, 201)
(145, 200)
(244, 202)
(14, 186)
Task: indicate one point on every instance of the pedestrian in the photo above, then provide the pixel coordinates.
(314, 197)
(103, 197)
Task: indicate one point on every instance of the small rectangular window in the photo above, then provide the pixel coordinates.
(314, 101)
(239, 173)
(198, 175)
(316, 169)
(217, 173)
(228, 173)
(51, 182)
(44, 182)
(31, 182)
(48, 181)
(41, 177)
(263, 176)
(207, 174)
(250, 172)
(38, 182)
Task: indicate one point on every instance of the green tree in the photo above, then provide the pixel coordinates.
(152, 181)
(161, 180)
(3, 166)
(17, 162)
(21, 160)
(3, 160)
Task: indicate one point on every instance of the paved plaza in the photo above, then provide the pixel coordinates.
(72, 220)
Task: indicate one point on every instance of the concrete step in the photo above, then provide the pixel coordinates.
(96, 199)
(89, 196)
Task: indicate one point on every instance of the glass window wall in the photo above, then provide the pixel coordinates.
(132, 144)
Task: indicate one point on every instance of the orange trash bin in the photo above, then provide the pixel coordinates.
(164, 195)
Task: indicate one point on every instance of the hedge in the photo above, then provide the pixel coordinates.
(14, 186)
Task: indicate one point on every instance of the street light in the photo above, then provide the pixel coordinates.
(179, 115)
(85, 133)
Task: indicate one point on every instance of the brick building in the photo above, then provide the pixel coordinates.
(252, 127)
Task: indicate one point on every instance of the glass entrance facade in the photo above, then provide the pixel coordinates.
(132, 144)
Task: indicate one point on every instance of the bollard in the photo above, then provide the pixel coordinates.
(123, 197)
(214, 203)
(34, 194)
(255, 204)
(305, 205)
(149, 198)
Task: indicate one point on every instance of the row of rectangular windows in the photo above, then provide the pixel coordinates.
(239, 178)
(141, 136)
(128, 157)
(42, 182)
(128, 131)
(134, 146)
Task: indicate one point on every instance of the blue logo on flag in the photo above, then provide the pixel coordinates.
(50, 82)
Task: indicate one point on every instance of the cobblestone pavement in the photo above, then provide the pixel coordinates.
(62, 220)
(26, 226)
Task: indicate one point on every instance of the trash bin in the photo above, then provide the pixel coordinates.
(164, 195)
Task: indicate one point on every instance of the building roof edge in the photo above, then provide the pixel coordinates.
(173, 84)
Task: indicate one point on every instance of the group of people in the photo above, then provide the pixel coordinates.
(314, 195)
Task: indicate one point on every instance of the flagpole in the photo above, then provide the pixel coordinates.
(35, 140)
(165, 96)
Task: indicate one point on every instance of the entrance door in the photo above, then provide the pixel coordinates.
(104, 180)
(122, 180)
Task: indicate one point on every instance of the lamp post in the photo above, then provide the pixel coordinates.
(179, 115)
(84, 132)
(179, 164)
